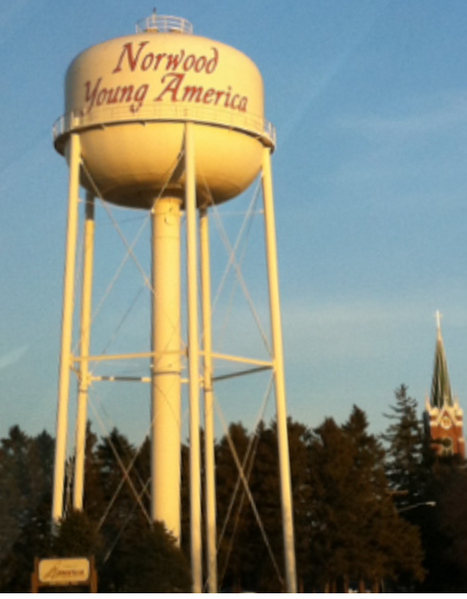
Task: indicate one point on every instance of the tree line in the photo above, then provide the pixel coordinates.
(364, 513)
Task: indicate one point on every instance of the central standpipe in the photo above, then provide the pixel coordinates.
(165, 387)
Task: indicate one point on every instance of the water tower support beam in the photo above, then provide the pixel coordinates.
(73, 155)
(85, 326)
(208, 401)
(193, 359)
(281, 412)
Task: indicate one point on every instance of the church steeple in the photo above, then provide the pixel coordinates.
(440, 386)
(443, 417)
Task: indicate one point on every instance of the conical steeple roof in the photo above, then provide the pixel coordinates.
(440, 386)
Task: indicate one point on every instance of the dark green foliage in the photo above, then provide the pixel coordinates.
(76, 536)
(409, 459)
(148, 561)
(103, 530)
(135, 557)
(234, 516)
(26, 466)
(444, 529)
(34, 539)
(416, 477)
(347, 527)
(356, 532)
(93, 489)
(246, 559)
(266, 571)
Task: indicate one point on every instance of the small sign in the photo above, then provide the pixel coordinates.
(64, 571)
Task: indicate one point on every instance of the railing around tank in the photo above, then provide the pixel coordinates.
(164, 24)
(110, 115)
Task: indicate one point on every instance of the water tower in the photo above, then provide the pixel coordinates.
(167, 122)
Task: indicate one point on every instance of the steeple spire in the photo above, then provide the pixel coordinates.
(438, 316)
(440, 386)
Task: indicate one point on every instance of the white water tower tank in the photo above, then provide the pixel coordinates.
(129, 98)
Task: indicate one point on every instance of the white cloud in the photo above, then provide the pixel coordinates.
(356, 330)
(12, 357)
(421, 116)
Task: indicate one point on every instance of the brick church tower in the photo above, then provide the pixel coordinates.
(443, 417)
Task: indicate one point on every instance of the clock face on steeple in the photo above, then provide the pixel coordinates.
(446, 422)
(446, 446)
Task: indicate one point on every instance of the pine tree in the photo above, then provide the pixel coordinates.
(356, 532)
(267, 493)
(444, 528)
(15, 487)
(120, 489)
(33, 540)
(332, 508)
(26, 465)
(408, 455)
(149, 561)
(255, 550)
(76, 536)
(234, 516)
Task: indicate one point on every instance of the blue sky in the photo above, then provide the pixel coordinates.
(369, 102)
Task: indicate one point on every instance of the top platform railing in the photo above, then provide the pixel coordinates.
(164, 24)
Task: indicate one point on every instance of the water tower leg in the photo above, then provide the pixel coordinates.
(165, 388)
(281, 413)
(73, 154)
(193, 359)
(81, 413)
(210, 495)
